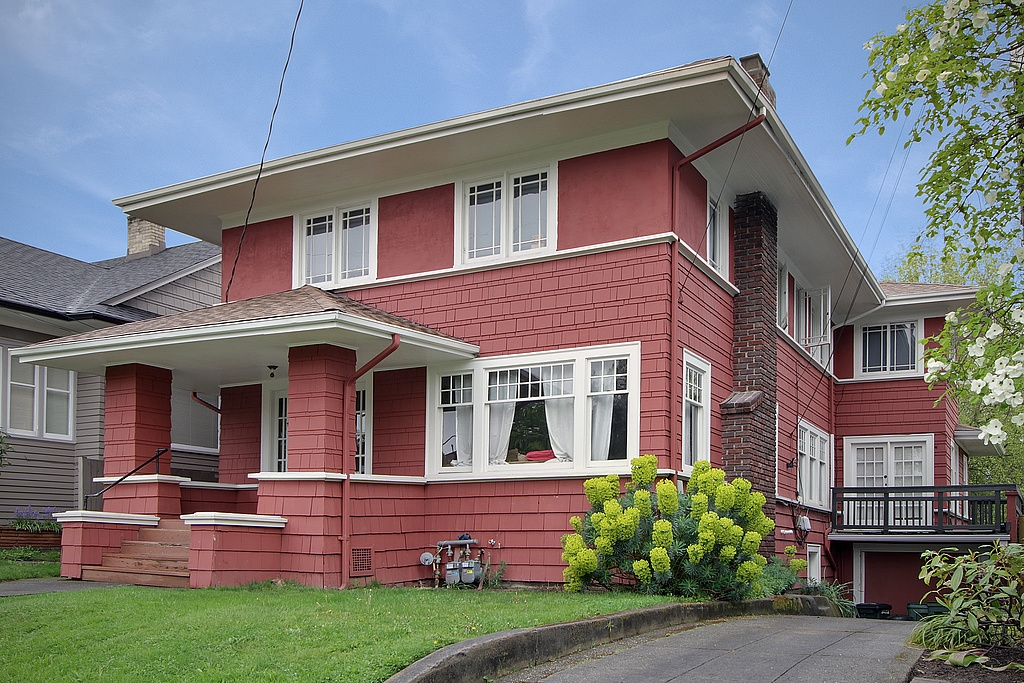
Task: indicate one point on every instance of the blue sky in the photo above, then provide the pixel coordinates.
(107, 98)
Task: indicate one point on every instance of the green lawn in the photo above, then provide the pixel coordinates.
(27, 563)
(264, 632)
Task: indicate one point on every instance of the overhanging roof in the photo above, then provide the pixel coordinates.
(234, 343)
(969, 439)
(694, 104)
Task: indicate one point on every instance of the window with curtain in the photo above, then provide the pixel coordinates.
(456, 402)
(530, 414)
(609, 406)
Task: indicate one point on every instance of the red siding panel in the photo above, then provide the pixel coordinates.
(416, 231)
(399, 421)
(264, 261)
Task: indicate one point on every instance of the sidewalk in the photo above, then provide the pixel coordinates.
(54, 585)
(777, 649)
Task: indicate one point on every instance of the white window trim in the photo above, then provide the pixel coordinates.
(814, 562)
(825, 501)
(299, 244)
(704, 447)
(271, 391)
(782, 299)
(505, 176)
(851, 442)
(366, 384)
(581, 463)
(858, 351)
(39, 401)
(720, 236)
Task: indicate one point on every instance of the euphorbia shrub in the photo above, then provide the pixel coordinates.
(699, 544)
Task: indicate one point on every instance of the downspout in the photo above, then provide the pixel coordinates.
(348, 456)
(677, 296)
(195, 397)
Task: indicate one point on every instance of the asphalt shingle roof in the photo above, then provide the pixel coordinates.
(63, 287)
(302, 301)
(890, 288)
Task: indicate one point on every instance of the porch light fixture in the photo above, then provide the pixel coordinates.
(271, 368)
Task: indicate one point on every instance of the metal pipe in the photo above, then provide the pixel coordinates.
(195, 397)
(347, 462)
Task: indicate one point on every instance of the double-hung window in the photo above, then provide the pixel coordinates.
(717, 240)
(889, 348)
(814, 476)
(815, 324)
(364, 429)
(337, 245)
(40, 401)
(564, 410)
(696, 410)
(507, 216)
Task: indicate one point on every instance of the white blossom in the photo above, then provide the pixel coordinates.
(923, 74)
(1018, 356)
(881, 88)
(993, 432)
(943, 76)
(1017, 315)
(977, 349)
(1018, 253)
(965, 4)
(901, 28)
(1004, 268)
(990, 198)
(1018, 419)
(951, 317)
(1005, 174)
(890, 76)
(978, 385)
(954, 26)
(936, 41)
(951, 8)
(903, 60)
(980, 18)
(994, 331)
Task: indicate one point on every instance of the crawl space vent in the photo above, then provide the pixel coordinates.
(362, 561)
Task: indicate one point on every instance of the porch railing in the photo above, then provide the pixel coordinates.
(156, 458)
(982, 509)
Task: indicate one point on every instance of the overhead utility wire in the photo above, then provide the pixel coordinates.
(259, 172)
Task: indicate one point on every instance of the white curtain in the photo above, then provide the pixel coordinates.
(559, 414)
(601, 426)
(499, 429)
(464, 435)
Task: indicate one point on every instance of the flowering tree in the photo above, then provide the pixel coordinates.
(956, 68)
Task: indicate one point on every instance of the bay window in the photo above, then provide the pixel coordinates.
(563, 410)
(889, 348)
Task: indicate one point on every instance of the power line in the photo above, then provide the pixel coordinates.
(259, 172)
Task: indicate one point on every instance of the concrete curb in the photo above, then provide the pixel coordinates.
(502, 653)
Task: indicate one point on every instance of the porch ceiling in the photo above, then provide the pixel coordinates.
(222, 346)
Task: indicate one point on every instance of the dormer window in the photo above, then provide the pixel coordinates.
(507, 216)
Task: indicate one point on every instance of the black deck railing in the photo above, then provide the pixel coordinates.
(983, 509)
(156, 458)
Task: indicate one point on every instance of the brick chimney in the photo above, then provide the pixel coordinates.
(757, 71)
(144, 238)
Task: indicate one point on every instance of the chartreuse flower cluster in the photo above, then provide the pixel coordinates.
(702, 543)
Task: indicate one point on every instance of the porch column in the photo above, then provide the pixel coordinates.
(316, 407)
(137, 422)
(240, 433)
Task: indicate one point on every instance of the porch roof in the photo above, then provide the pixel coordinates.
(233, 343)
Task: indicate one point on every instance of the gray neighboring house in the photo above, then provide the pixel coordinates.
(55, 417)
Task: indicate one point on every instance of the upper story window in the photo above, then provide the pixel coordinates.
(889, 348)
(782, 298)
(696, 410)
(507, 216)
(717, 240)
(814, 323)
(337, 245)
(563, 410)
(814, 476)
(38, 401)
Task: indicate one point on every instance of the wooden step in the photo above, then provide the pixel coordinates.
(155, 549)
(138, 577)
(150, 564)
(165, 535)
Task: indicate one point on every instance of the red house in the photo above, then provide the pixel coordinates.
(445, 329)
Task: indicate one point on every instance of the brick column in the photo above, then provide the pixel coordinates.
(748, 415)
(316, 409)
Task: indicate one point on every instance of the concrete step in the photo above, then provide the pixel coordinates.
(118, 560)
(155, 550)
(138, 577)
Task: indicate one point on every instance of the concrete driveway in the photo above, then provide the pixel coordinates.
(777, 649)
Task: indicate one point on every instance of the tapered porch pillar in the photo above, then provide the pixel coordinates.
(137, 422)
